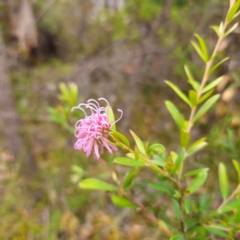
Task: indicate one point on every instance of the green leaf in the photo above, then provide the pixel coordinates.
(111, 117)
(180, 159)
(237, 167)
(128, 162)
(232, 11)
(206, 106)
(223, 180)
(121, 137)
(65, 93)
(197, 182)
(187, 205)
(131, 155)
(212, 84)
(156, 148)
(195, 172)
(198, 50)
(73, 92)
(178, 92)
(216, 231)
(231, 29)
(139, 143)
(193, 98)
(218, 64)
(203, 47)
(161, 187)
(122, 202)
(159, 161)
(170, 162)
(177, 211)
(56, 115)
(177, 194)
(129, 178)
(236, 14)
(229, 207)
(177, 237)
(184, 138)
(216, 29)
(77, 170)
(96, 184)
(204, 203)
(176, 115)
(205, 96)
(191, 80)
(196, 146)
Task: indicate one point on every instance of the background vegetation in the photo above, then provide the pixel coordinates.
(124, 54)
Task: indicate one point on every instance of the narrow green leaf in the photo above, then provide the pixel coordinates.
(73, 92)
(131, 155)
(111, 117)
(177, 237)
(176, 115)
(218, 64)
(231, 29)
(212, 84)
(96, 184)
(184, 138)
(195, 172)
(177, 194)
(204, 203)
(161, 187)
(198, 50)
(216, 29)
(121, 137)
(178, 92)
(129, 178)
(65, 93)
(223, 180)
(221, 28)
(122, 202)
(176, 206)
(232, 11)
(159, 161)
(170, 162)
(180, 159)
(187, 205)
(197, 182)
(229, 207)
(128, 162)
(236, 14)
(56, 116)
(191, 80)
(237, 167)
(193, 98)
(196, 146)
(217, 232)
(206, 106)
(188, 73)
(203, 47)
(77, 170)
(138, 143)
(205, 96)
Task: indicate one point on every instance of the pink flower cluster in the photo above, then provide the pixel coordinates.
(92, 131)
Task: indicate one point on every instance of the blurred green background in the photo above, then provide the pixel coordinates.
(121, 50)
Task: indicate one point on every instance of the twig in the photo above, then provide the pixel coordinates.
(45, 10)
(236, 191)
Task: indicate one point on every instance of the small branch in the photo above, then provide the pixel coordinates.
(45, 10)
(229, 198)
(152, 218)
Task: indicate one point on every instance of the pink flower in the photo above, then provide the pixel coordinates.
(92, 131)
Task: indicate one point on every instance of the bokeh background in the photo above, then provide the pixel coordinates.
(121, 50)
